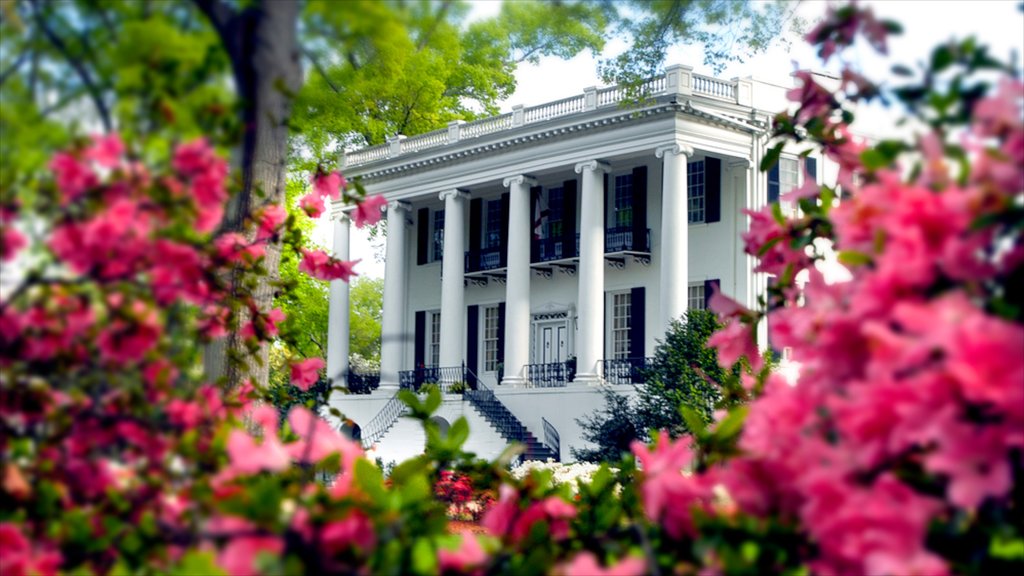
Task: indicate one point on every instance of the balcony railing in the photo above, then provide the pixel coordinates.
(626, 370)
(621, 239)
(364, 383)
(549, 249)
(550, 375)
(444, 378)
(485, 259)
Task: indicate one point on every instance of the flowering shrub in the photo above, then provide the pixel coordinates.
(899, 449)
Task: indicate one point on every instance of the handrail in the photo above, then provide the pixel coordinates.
(620, 239)
(444, 378)
(625, 370)
(552, 439)
(362, 383)
(550, 375)
(383, 421)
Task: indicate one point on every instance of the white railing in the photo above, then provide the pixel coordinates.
(485, 126)
(684, 82)
(554, 109)
(367, 155)
(714, 87)
(423, 141)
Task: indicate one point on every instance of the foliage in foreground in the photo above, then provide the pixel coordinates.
(898, 451)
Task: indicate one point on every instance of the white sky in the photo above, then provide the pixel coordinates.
(998, 23)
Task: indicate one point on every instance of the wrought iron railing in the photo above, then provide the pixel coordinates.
(376, 428)
(549, 249)
(363, 383)
(620, 239)
(626, 370)
(552, 438)
(450, 380)
(485, 259)
(550, 375)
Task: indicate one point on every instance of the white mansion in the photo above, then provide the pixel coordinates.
(538, 256)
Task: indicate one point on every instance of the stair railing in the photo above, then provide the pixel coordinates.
(383, 421)
(552, 439)
(487, 402)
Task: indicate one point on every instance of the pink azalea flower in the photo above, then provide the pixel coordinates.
(319, 265)
(328, 185)
(305, 373)
(271, 219)
(356, 530)
(11, 242)
(248, 457)
(586, 564)
(467, 556)
(19, 556)
(312, 204)
(319, 440)
(106, 151)
(368, 212)
(73, 176)
(735, 341)
(552, 512)
(668, 494)
(498, 519)
(239, 557)
(233, 247)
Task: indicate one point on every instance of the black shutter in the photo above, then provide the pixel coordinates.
(712, 189)
(608, 213)
(535, 193)
(707, 291)
(640, 209)
(636, 322)
(501, 333)
(811, 164)
(504, 230)
(569, 219)
(420, 352)
(422, 234)
(476, 212)
(773, 184)
(472, 338)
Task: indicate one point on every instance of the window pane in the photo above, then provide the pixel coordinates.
(490, 339)
(695, 191)
(435, 338)
(438, 235)
(620, 325)
(493, 234)
(695, 297)
(624, 201)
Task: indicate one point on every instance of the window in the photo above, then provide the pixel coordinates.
(695, 191)
(695, 297)
(789, 174)
(438, 251)
(492, 239)
(490, 339)
(624, 201)
(434, 353)
(621, 306)
(553, 223)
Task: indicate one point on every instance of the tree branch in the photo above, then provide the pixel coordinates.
(14, 67)
(320, 69)
(76, 65)
(437, 21)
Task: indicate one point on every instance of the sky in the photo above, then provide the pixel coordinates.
(998, 23)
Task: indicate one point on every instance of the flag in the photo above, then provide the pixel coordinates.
(540, 215)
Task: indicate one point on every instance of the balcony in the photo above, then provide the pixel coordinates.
(625, 241)
(626, 370)
(444, 378)
(551, 375)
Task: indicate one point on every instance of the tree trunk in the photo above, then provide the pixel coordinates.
(261, 41)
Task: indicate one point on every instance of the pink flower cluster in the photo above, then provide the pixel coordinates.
(322, 266)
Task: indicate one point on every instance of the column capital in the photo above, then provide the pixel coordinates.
(745, 163)
(339, 212)
(400, 206)
(676, 148)
(593, 165)
(519, 179)
(457, 193)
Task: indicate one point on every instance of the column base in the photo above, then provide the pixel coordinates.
(583, 379)
(514, 381)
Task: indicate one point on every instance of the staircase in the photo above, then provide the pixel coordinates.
(488, 405)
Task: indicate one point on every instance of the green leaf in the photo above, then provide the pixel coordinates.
(195, 562)
(370, 480)
(694, 421)
(1007, 548)
(874, 159)
(433, 401)
(458, 433)
(424, 560)
(732, 424)
(853, 258)
(771, 157)
(942, 58)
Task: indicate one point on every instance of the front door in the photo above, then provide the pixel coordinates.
(552, 344)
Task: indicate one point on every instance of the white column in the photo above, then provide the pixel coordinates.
(590, 343)
(517, 285)
(338, 315)
(393, 334)
(674, 232)
(453, 324)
